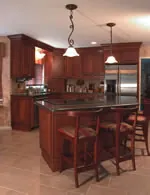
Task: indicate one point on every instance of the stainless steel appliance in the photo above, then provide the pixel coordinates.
(121, 80)
(36, 109)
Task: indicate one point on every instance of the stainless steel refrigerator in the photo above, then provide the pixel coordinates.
(121, 80)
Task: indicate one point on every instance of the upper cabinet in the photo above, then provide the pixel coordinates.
(73, 67)
(22, 57)
(58, 64)
(92, 62)
(125, 53)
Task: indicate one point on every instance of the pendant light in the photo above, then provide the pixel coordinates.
(111, 59)
(71, 51)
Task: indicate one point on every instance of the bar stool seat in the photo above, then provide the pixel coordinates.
(84, 132)
(110, 126)
(140, 118)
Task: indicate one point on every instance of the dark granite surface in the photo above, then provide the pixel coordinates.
(35, 94)
(78, 104)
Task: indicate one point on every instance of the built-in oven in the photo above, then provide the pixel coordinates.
(36, 109)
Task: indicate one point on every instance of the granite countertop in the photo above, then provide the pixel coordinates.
(78, 104)
(35, 95)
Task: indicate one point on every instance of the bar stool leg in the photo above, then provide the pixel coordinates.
(96, 159)
(133, 151)
(117, 154)
(61, 154)
(75, 161)
(145, 133)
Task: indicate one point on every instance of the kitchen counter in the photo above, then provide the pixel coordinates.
(89, 103)
(52, 116)
(36, 94)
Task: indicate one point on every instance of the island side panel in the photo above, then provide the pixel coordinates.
(50, 122)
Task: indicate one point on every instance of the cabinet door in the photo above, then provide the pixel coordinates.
(98, 64)
(68, 67)
(28, 59)
(22, 59)
(130, 56)
(16, 57)
(48, 67)
(58, 67)
(87, 66)
(76, 67)
(21, 109)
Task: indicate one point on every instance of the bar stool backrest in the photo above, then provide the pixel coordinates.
(85, 113)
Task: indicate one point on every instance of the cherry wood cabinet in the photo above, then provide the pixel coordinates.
(58, 66)
(73, 67)
(48, 67)
(22, 112)
(125, 53)
(22, 57)
(92, 63)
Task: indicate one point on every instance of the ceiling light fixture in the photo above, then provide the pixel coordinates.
(93, 42)
(111, 59)
(71, 52)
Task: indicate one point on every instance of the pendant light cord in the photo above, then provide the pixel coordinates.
(111, 40)
(71, 41)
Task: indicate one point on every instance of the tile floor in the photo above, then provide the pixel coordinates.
(24, 172)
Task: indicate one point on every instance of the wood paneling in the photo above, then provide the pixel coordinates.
(49, 136)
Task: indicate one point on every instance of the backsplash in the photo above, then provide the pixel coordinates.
(85, 86)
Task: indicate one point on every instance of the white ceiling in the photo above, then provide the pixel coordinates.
(48, 20)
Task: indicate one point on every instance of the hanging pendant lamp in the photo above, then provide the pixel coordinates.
(71, 51)
(111, 59)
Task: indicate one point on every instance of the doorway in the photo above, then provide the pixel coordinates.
(144, 72)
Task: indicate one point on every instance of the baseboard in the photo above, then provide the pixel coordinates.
(5, 128)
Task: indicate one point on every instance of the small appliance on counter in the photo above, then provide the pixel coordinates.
(36, 89)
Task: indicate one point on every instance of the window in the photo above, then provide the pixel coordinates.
(39, 75)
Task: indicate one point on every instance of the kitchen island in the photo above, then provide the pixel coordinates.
(52, 116)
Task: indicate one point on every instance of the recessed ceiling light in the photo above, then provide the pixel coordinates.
(93, 42)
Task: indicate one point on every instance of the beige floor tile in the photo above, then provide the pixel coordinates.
(38, 189)
(8, 158)
(24, 172)
(32, 163)
(99, 190)
(75, 193)
(17, 179)
(4, 191)
(133, 183)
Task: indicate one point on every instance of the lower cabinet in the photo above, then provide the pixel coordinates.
(22, 112)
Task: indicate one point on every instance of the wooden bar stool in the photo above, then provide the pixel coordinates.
(84, 134)
(141, 133)
(120, 131)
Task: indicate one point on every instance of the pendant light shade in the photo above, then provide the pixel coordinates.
(71, 51)
(111, 59)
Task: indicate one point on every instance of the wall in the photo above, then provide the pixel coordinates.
(5, 121)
